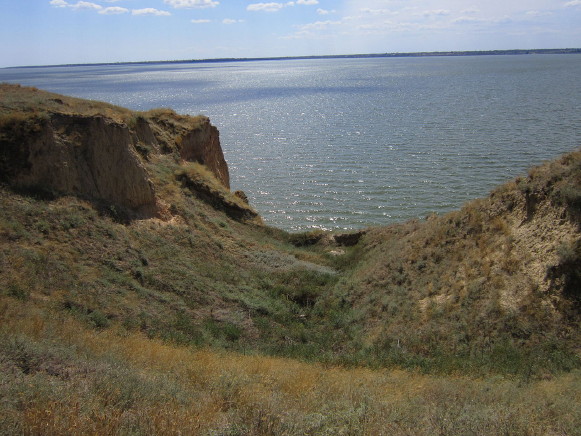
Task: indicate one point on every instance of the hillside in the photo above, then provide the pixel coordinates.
(139, 295)
(498, 279)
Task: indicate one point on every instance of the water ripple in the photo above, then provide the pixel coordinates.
(356, 142)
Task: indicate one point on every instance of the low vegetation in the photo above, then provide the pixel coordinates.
(492, 287)
(62, 378)
(205, 321)
(28, 103)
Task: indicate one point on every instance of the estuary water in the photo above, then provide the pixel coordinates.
(349, 143)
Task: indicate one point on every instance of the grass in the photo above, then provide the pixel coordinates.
(278, 298)
(202, 183)
(151, 276)
(206, 279)
(19, 103)
(205, 321)
(63, 378)
(481, 290)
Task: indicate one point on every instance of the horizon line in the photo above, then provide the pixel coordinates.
(340, 56)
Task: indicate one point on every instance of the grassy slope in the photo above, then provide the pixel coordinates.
(61, 378)
(104, 324)
(200, 278)
(197, 277)
(495, 285)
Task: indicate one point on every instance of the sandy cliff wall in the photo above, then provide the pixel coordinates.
(92, 157)
(202, 145)
(59, 146)
(194, 139)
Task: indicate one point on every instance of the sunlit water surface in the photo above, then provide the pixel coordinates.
(348, 143)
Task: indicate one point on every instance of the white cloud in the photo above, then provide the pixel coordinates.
(538, 13)
(266, 7)
(59, 3)
(192, 4)
(318, 30)
(150, 11)
(201, 21)
(319, 25)
(326, 11)
(466, 19)
(409, 25)
(113, 10)
(231, 21)
(86, 5)
(78, 5)
(377, 11)
(277, 6)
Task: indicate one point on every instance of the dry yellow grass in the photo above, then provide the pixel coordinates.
(20, 101)
(168, 390)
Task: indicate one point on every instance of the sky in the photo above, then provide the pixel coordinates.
(49, 32)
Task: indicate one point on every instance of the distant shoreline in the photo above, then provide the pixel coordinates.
(347, 56)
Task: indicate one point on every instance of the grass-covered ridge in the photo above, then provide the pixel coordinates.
(202, 320)
(494, 284)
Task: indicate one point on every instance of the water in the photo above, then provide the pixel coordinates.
(347, 143)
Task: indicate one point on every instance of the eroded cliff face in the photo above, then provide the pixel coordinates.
(202, 145)
(194, 139)
(60, 146)
(92, 157)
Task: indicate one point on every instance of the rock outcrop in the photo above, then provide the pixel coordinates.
(202, 145)
(92, 157)
(61, 147)
(194, 139)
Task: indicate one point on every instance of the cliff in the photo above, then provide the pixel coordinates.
(138, 295)
(131, 222)
(65, 146)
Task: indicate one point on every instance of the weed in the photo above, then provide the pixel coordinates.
(17, 291)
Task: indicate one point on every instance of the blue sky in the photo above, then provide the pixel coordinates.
(42, 32)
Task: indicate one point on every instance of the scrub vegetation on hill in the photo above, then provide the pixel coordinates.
(197, 318)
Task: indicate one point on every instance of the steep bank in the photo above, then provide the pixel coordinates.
(65, 146)
(124, 219)
(158, 308)
(495, 279)
(121, 218)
